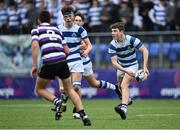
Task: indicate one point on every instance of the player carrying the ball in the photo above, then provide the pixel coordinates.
(123, 58)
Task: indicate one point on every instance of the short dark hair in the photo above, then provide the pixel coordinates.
(80, 15)
(44, 16)
(67, 10)
(119, 25)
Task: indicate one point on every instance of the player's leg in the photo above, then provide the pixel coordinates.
(76, 100)
(88, 73)
(64, 96)
(76, 81)
(41, 90)
(123, 108)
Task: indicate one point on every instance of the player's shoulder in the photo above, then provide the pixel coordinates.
(113, 42)
(34, 30)
(131, 39)
(60, 26)
(77, 27)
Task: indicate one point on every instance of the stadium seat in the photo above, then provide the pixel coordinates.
(166, 48)
(154, 49)
(104, 55)
(176, 47)
(93, 53)
(146, 45)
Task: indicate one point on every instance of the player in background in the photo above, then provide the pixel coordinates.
(53, 55)
(73, 35)
(123, 58)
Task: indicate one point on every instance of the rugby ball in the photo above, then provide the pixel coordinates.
(140, 75)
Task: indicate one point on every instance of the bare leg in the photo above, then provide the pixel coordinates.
(40, 89)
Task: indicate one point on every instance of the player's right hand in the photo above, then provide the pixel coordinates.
(34, 71)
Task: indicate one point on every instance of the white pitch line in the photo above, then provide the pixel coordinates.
(24, 105)
(168, 114)
(89, 129)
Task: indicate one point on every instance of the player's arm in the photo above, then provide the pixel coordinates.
(145, 52)
(88, 47)
(64, 43)
(83, 46)
(35, 53)
(66, 49)
(117, 66)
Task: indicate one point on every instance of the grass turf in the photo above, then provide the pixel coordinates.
(143, 114)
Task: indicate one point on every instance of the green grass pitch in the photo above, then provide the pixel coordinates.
(142, 114)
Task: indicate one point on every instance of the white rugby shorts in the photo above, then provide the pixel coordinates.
(88, 69)
(76, 66)
(133, 68)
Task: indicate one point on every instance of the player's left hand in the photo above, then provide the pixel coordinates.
(145, 69)
(85, 53)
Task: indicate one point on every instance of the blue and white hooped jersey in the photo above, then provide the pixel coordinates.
(73, 37)
(51, 43)
(125, 52)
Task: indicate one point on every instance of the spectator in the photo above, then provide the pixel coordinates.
(146, 6)
(170, 14)
(177, 17)
(108, 15)
(158, 15)
(137, 19)
(83, 6)
(22, 8)
(53, 7)
(94, 16)
(13, 18)
(3, 18)
(125, 15)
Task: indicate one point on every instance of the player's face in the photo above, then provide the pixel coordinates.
(69, 18)
(117, 34)
(78, 20)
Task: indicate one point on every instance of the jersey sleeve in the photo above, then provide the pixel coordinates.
(112, 50)
(34, 35)
(135, 42)
(83, 33)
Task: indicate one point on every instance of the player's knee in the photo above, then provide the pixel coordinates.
(76, 84)
(37, 90)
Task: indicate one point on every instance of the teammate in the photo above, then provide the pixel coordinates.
(123, 58)
(53, 50)
(74, 34)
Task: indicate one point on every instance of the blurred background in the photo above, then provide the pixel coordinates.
(155, 22)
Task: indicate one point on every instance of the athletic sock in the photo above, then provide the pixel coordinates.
(56, 101)
(83, 114)
(104, 84)
(124, 107)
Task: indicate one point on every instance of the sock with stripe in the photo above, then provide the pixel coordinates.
(82, 114)
(56, 101)
(104, 84)
(124, 107)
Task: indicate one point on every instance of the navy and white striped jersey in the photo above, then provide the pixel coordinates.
(51, 43)
(3, 16)
(73, 37)
(13, 17)
(94, 15)
(125, 52)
